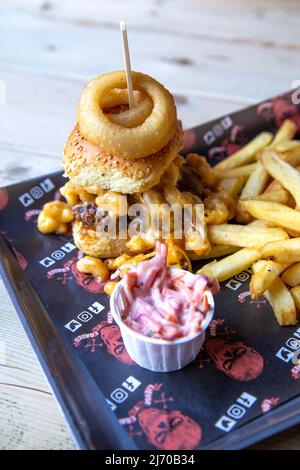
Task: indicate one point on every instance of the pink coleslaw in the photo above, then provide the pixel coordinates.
(162, 305)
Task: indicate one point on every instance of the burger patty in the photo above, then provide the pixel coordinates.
(89, 214)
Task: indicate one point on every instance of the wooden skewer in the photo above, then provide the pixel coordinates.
(127, 63)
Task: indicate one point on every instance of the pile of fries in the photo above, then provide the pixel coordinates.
(264, 179)
(251, 216)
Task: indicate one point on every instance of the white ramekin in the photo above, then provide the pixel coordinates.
(153, 354)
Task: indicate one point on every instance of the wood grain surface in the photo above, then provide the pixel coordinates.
(216, 56)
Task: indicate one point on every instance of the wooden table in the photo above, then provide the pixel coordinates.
(215, 55)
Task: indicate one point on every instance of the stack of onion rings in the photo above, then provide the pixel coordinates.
(139, 138)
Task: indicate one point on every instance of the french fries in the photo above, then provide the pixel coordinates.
(281, 171)
(279, 297)
(245, 171)
(285, 133)
(281, 196)
(232, 185)
(292, 157)
(273, 186)
(216, 252)
(286, 145)
(283, 251)
(291, 276)
(247, 153)
(243, 235)
(255, 185)
(260, 223)
(282, 303)
(263, 179)
(273, 212)
(231, 265)
(256, 182)
(264, 274)
(296, 296)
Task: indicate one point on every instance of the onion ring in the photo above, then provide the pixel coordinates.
(130, 117)
(137, 142)
(119, 97)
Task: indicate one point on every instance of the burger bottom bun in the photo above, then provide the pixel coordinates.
(91, 244)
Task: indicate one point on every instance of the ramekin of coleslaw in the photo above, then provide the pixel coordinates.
(163, 312)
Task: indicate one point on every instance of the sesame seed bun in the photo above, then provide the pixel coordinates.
(87, 166)
(94, 244)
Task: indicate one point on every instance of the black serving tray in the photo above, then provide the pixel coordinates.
(242, 388)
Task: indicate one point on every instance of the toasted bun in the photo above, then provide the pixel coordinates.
(92, 244)
(86, 165)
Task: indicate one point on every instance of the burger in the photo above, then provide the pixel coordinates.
(114, 151)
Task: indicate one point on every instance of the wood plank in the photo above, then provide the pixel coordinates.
(19, 166)
(30, 420)
(42, 110)
(286, 440)
(212, 66)
(30, 417)
(229, 20)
